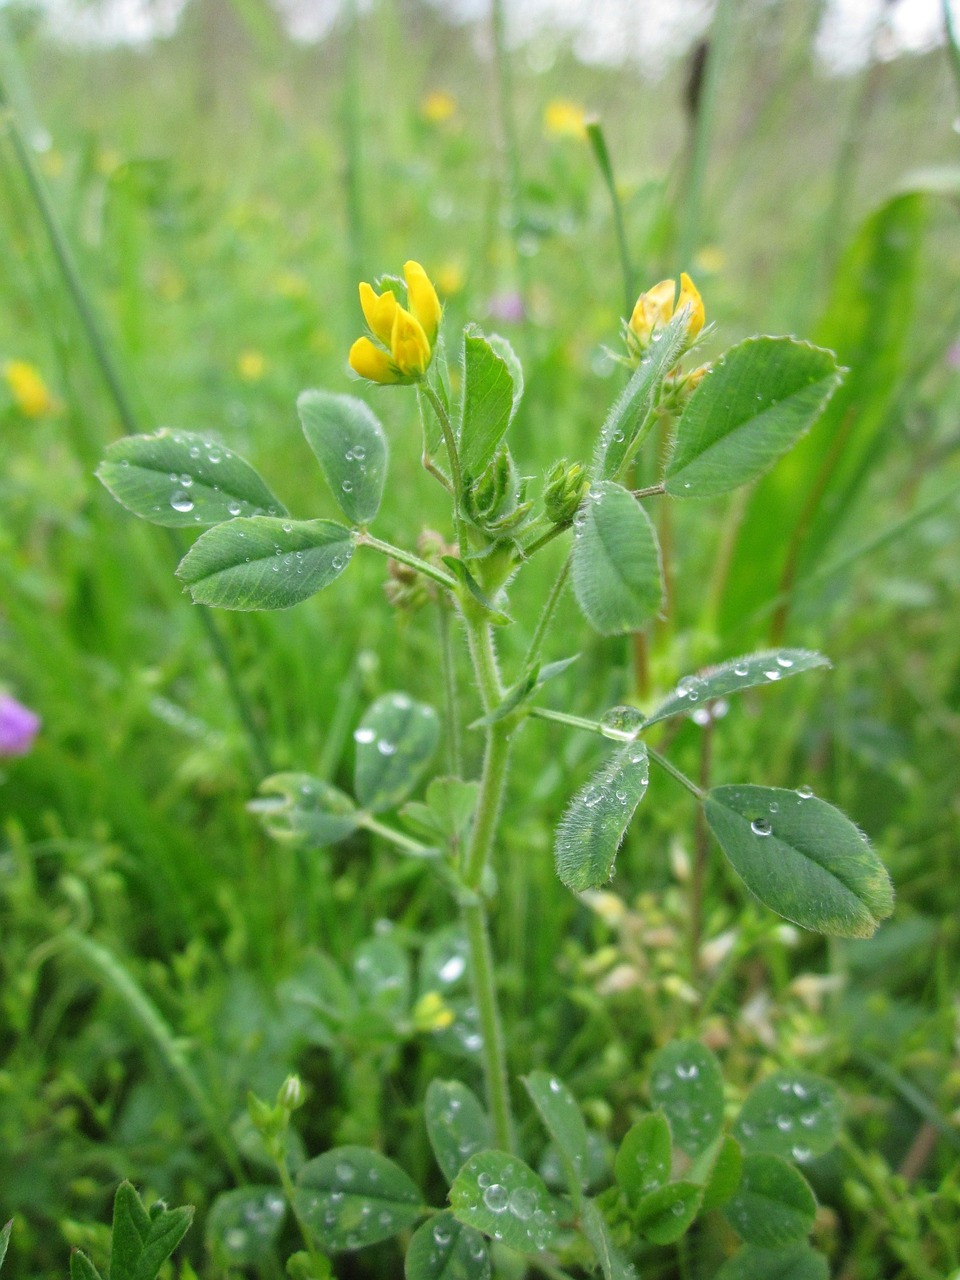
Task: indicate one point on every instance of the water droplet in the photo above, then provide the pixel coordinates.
(592, 797)
(773, 674)
(186, 480)
(801, 1154)
(774, 807)
(344, 1171)
(443, 1234)
(784, 1123)
(194, 451)
(786, 663)
(687, 1071)
(364, 735)
(760, 827)
(740, 668)
(359, 452)
(496, 1198)
(235, 1239)
(622, 724)
(337, 563)
(234, 508)
(287, 527)
(386, 1219)
(555, 1085)
(214, 455)
(678, 1209)
(523, 1202)
(180, 500)
(808, 1119)
(452, 969)
(804, 792)
(386, 748)
(346, 486)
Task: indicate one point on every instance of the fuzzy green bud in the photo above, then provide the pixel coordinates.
(290, 1095)
(564, 491)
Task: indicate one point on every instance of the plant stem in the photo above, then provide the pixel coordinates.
(701, 852)
(563, 717)
(601, 153)
(448, 667)
(674, 772)
(289, 1190)
(443, 418)
(476, 859)
(408, 558)
(398, 838)
(511, 146)
(546, 616)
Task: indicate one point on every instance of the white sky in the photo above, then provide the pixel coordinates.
(604, 31)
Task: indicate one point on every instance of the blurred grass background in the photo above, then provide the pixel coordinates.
(222, 191)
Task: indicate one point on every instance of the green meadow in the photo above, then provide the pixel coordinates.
(249, 1003)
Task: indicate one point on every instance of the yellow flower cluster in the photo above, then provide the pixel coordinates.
(29, 391)
(405, 338)
(655, 309)
(564, 119)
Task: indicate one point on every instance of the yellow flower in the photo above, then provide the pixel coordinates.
(28, 389)
(450, 278)
(564, 119)
(432, 1013)
(438, 107)
(251, 365)
(655, 309)
(710, 260)
(406, 338)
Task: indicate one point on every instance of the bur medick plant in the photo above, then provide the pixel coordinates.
(688, 1162)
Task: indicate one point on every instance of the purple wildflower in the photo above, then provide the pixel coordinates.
(507, 307)
(18, 727)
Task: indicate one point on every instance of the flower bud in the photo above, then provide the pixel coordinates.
(564, 491)
(290, 1095)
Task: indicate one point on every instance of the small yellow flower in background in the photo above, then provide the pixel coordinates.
(406, 337)
(565, 119)
(432, 1013)
(450, 279)
(710, 260)
(655, 309)
(251, 365)
(438, 107)
(51, 162)
(29, 391)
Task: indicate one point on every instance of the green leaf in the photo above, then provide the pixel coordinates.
(81, 1268)
(503, 1197)
(773, 1205)
(686, 1083)
(300, 809)
(488, 402)
(395, 742)
(792, 1113)
(5, 1240)
(466, 579)
(617, 577)
(131, 1228)
(561, 1114)
(590, 832)
(637, 399)
(167, 1229)
(263, 563)
(351, 1197)
(802, 858)
(457, 1125)
(664, 1215)
(444, 961)
(182, 480)
(243, 1226)
(734, 675)
(643, 1160)
(381, 973)
(754, 404)
(612, 1262)
(319, 987)
(796, 1262)
(351, 448)
(724, 1176)
(444, 1249)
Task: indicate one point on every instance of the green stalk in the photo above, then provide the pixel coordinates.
(408, 558)
(446, 427)
(511, 145)
(674, 772)
(290, 1191)
(473, 908)
(601, 153)
(451, 707)
(546, 617)
(352, 133)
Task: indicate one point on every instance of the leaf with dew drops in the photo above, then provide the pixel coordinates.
(561, 1114)
(348, 440)
(612, 1262)
(351, 1197)
(643, 1159)
(616, 570)
(793, 1262)
(498, 1194)
(183, 480)
(802, 858)
(596, 820)
(242, 1226)
(300, 809)
(457, 1125)
(687, 1085)
(395, 741)
(793, 1113)
(664, 1215)
(263, 563)
(444, 1249)
(734, 675)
